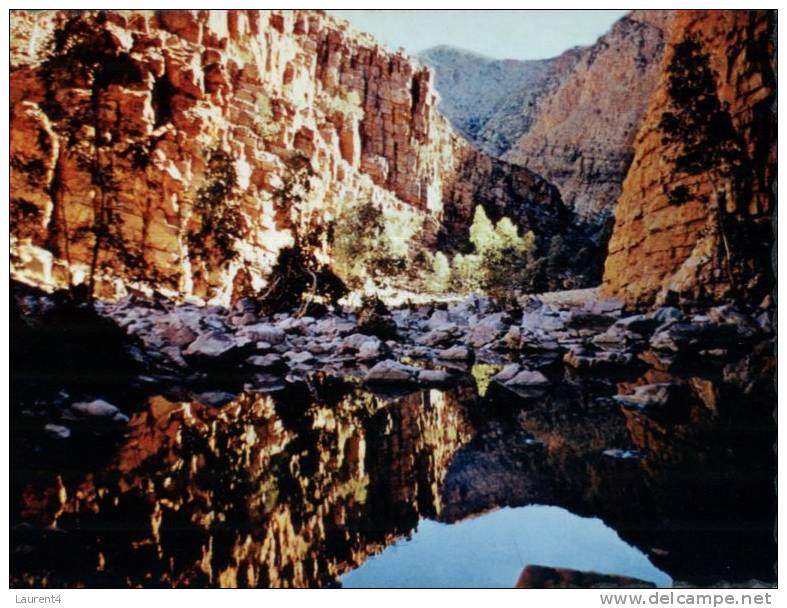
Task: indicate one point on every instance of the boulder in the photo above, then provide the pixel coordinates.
(618, 336)
(507, 373)
(239, 320)
(215, 398)
(353, 343)
(666, 314)
(537, 342)
(441, 336)
(438, 318)
(643, 325)
(419, 352)
(100, 409)
(543, 319)
(528, 379)
(174, 354)
(765, 322)
(473, 304)
(215, 346)
(434, 376)
(391, 372)
(374, 319)
(298, 358)
(57, 431)
(582, 358)
(513, 337)
(316, 348)
(654, 398)
(543, 577)
(333, 326)
(610, 307)
(621, 454)
(176, 333)
(584, 319)
(745, 327)
(456, 353)
(97, 408)
(270, 361)
(246, 305)
(701, 335)
(373, 349)
(487, 330)
(263, 332)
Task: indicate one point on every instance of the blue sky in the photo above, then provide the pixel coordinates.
(502, 34)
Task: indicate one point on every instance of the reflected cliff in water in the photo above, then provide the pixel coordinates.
(302, 486)
(290, 490)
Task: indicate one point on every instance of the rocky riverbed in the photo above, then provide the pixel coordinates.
(148, 433)
(414, 346)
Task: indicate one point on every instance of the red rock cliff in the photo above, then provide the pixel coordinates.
(694, 214)
(127, 127)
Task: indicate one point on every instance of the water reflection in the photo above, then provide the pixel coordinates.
(264, 491)
(489, 551)
(301, 487)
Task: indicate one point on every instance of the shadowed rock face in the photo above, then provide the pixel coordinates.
(571, 118)
(694, 215)
(130, 125)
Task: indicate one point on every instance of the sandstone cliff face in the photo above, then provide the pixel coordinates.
(128, 127)
(694, 214)
(581, 138)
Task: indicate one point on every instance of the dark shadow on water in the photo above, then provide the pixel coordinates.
(301, 486)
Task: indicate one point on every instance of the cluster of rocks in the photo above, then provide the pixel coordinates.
(393, 347)
(429, 346)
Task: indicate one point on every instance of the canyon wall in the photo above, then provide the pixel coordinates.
(694, 216)
(180, 150)
(571, 118)
(582, 135)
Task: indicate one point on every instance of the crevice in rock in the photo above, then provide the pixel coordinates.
(162, 101)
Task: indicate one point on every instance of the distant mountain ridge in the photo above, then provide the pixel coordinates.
(571, 118)
(478, 91)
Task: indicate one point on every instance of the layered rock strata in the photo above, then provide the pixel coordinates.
(694, 217)
(181, 150)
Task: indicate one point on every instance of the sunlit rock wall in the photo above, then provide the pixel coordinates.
(112, 137)
(696, 220)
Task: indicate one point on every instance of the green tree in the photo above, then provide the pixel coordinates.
(299, 279)
(482, 231)
(219, 221)
(369, 245)
(508, 235)
(466, 273)
(440, 278)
